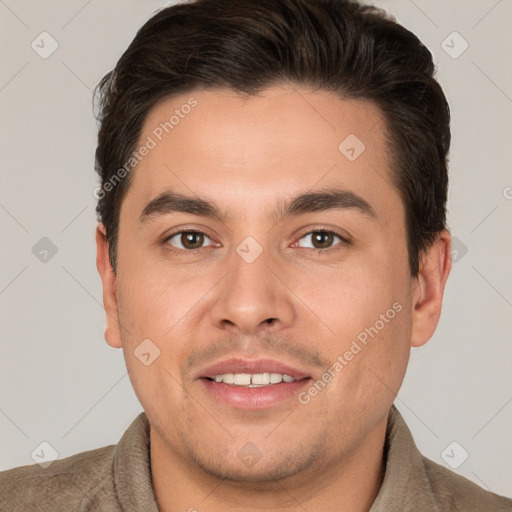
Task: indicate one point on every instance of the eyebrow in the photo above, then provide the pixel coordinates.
(322, 200)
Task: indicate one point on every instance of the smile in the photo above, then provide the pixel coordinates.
(253, 380)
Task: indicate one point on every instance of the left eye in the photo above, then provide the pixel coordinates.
(323, 239)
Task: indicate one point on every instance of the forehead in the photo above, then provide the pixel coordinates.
(246, 151)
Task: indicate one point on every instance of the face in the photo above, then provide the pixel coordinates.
(265, 334)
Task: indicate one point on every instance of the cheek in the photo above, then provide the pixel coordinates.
(152, 309)
(348, 297)
(367, 310)
(151, 300)
(375, 357)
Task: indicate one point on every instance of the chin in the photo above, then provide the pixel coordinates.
(249, 465)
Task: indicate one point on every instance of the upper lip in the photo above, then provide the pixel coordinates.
(241, 365)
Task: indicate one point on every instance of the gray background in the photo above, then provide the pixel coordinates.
(61, 383)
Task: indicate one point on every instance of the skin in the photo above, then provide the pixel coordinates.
(246, 154)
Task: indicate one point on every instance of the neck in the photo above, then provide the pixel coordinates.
(348, 484)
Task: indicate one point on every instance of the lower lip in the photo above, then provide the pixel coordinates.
(243, 397)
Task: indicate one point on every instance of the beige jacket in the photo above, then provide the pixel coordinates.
(117, 478)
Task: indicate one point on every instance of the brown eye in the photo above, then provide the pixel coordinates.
(322, 239)
(187, 240)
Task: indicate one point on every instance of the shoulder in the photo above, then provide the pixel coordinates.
(421, 484)
(66, 483)
(456, 493)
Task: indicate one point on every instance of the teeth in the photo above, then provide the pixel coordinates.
(228, 378)
(241, 379)
(253, 379)
(260, 378)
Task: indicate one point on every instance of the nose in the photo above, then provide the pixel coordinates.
(252, 298)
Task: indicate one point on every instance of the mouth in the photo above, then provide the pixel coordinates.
(252, 384)
(252, 380)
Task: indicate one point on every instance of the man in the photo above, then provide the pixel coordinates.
(272, 241)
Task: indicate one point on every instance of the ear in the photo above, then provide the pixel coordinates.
(108, 278)
(435, 267)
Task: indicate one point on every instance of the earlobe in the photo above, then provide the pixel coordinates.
(434, 271)
(108, 279)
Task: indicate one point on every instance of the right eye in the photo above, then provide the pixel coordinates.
(187, 240)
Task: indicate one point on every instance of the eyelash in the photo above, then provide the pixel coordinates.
(343, 240)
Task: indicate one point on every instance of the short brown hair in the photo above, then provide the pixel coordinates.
(355, 50)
